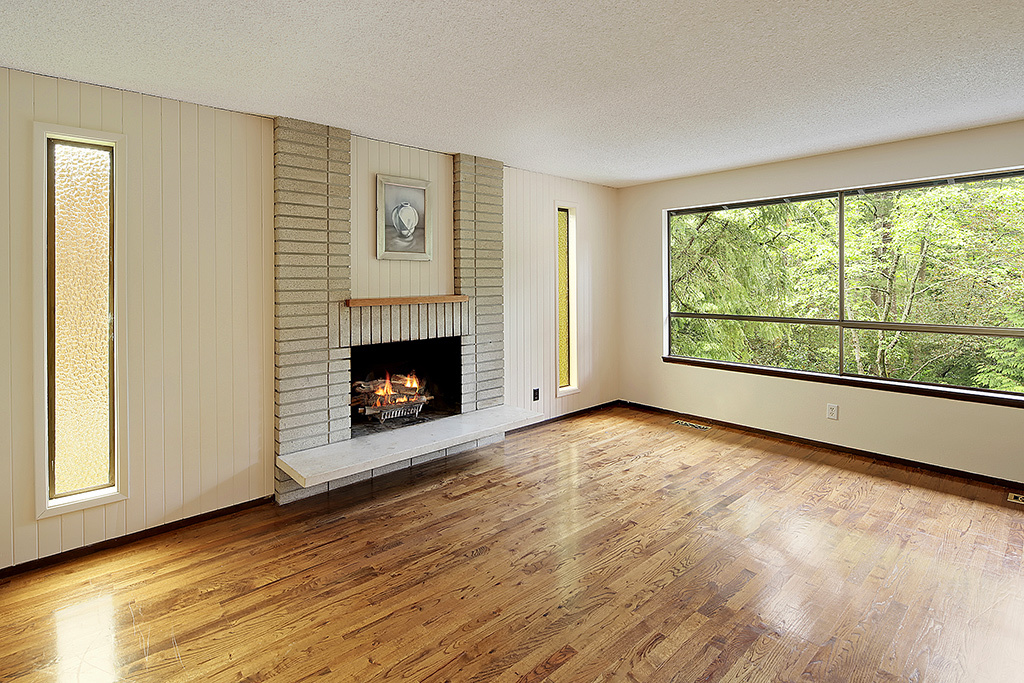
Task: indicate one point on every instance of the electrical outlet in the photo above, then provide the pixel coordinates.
(832, 411)
(536, 394)
(1015, 498)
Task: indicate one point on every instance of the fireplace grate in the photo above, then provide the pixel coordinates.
(393, 411)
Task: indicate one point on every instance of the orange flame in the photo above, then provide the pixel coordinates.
(385, 392)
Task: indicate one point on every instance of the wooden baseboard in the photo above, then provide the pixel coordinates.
(51, 560)
(575, 413)
(890, 459)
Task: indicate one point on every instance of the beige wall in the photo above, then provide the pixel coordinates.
(373, 278)
(199, 310)
(972, 437)
(530, 291)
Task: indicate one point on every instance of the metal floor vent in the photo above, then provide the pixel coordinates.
(690, 424)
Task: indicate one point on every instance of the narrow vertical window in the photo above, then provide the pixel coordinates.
(80, 317)
(567, 361)
(563, 299)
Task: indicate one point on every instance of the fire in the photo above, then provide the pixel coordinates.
(386, 394)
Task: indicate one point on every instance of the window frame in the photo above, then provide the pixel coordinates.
(842, 378)
(574, 385)
(47, 506)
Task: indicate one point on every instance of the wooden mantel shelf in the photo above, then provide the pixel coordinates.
(407, 300)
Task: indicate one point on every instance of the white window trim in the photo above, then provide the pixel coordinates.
(45, 507)
(574, 347)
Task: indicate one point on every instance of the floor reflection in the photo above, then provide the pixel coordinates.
(85, 641)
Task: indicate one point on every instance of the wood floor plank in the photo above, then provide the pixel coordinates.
(610, 546)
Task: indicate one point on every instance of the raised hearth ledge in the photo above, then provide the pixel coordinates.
(408, 300)
(334, 461)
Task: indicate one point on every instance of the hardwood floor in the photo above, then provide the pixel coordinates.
(613, 546)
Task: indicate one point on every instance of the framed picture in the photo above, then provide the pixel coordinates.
(405, 226)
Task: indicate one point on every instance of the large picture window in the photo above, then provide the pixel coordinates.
(912, 286)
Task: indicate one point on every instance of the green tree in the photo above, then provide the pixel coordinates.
(951, 254)
(1003, 368)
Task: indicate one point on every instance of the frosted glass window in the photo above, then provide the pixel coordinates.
(564, 346)
(81, 323)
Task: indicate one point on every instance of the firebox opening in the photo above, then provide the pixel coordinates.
(378, 405)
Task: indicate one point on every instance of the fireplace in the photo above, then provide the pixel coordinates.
(379, 404)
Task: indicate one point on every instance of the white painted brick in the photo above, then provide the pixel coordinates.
(482, 385)
(284, 447)
(339, 365)
(462, 447)
(302, 333)
(289, 372)
(304, 420)
(342, 425)
(299, 234)
(427, 457)
(300, 407)
(286, 486)
(340, 354)
(300, 247)
(336, 484)
(299, 383)
(303, 210)
(288, 146)
(292, 197)
(483, 375)
(375, 325)
(339, 379)
(290, 322)
(488, 440)
(293, 434)
(300, 395)
(336, 437)
(341, 413)
(393, 467)
(483, 394)
(299, 494)
(301, 357)
(344, 325)
(489, 403)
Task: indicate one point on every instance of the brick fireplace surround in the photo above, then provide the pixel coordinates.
(314, 328)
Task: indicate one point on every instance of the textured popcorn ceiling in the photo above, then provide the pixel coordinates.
(612, 92)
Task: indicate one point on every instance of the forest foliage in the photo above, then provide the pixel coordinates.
(949, 255)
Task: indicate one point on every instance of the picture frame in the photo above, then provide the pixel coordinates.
(409, 203)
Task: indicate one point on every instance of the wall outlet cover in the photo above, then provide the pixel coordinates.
(536, 394)
(832, 411)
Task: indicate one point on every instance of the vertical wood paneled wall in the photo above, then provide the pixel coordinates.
(372, 278)
(199, 309)
(531, 359)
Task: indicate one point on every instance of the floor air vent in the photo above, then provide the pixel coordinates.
(691, 425)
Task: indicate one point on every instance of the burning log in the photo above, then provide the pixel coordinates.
(394, 396)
